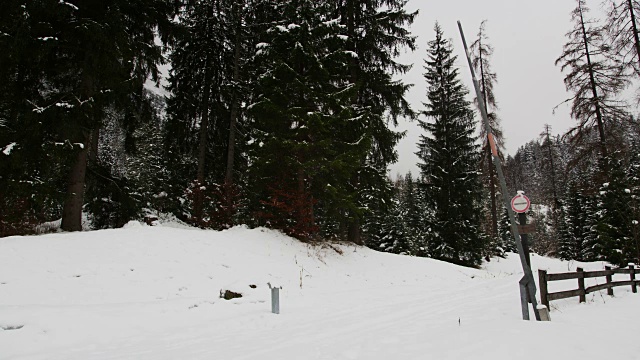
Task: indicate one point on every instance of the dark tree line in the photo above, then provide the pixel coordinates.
(282, 114)
(278, 113)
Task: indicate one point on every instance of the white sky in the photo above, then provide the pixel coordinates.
(527, 37)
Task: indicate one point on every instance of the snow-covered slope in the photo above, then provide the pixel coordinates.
(154, 293)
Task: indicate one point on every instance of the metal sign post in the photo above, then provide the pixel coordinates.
(521, 204)
(527, 284)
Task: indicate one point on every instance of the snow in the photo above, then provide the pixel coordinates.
(68, 4)
(332, 22)
(64, 105)
(154, 293)
(352, 54)
(7, 150)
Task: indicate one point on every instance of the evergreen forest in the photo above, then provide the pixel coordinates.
(283, 114)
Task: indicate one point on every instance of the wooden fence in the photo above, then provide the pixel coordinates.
(582, 291)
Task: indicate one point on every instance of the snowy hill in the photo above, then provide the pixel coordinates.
(154, 293)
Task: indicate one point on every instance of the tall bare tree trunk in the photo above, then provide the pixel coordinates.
(594, 90)
(93, 149)
(228, 179)
(72, 211)
(492, 176)
(202, 148)
(354, 233)
(634, 24)
(556, 201)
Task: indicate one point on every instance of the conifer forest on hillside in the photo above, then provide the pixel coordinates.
(283, 114)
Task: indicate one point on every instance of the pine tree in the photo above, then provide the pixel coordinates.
(198, 108)
(395, 238)
(91, 58)
(302, 151)
(412, 208)
(576, 224)
(449, 159)
(482, 52)
(622, 30)
(30, 161)
(594, 78)
(614, 223)
(508, 243)
(376, 34)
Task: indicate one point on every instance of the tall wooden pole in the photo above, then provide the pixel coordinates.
(527, 281)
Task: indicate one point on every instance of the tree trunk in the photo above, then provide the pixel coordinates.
(556, 201)
(492, 181)
(228, 179)
(594, 91)
(634, 24)
(93, 150)
(202, 148)
(72, 211)
(355, 234)
(492, 191)
(353, 228)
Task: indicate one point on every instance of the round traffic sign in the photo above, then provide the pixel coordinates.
(520, 203)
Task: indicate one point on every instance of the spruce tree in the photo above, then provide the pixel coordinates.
(575, 225)
(449, 160)
(199, 107)
(302, 151)
(92, 58)
(376, 33)
(507, 242)
(395, 237)
(412, 208)
(615, 242)
(31, 164)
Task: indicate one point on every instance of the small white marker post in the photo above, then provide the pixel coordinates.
(275, 298)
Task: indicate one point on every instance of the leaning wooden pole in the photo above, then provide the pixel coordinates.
(527, 281)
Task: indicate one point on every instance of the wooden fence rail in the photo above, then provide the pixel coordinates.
(582, 291)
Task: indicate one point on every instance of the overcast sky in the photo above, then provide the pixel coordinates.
(527, 37)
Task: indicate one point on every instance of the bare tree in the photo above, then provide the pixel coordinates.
(594, 77)
(622, 30)
(482, 52)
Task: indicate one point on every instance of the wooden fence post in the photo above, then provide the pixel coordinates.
(609, 280)
(542, 280)
(583, 294)
(634, 286)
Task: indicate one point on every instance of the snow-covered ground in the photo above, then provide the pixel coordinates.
(154, 293)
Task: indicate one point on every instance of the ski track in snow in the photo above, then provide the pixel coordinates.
(152, 293)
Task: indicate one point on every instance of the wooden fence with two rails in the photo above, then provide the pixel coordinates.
(582, 291)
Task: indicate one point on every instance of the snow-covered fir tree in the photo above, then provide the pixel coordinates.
(376, 33)
(303, 153)
(449, 158)
(614, 225)
(576, 225)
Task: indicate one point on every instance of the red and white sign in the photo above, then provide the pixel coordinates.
(520, 203)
